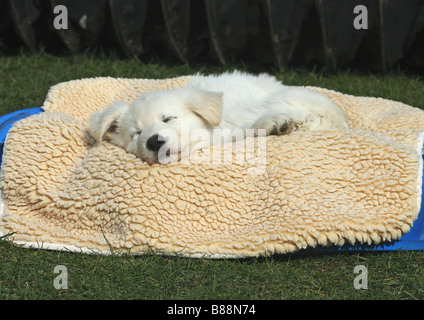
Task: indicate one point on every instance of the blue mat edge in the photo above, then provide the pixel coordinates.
(411, 241)
(7, 121)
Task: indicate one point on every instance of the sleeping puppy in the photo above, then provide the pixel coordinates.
(165, 125)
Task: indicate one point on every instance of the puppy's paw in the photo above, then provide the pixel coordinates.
(274, 124)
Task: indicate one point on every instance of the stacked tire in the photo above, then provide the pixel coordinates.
(278, 32)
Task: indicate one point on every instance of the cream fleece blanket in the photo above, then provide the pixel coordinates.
(60, 190)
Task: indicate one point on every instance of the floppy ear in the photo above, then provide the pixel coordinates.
(104, 123)
(207, 105)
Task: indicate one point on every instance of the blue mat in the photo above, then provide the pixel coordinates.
(413, 240)
(7, 121)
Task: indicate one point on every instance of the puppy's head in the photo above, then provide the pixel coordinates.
(160, 126)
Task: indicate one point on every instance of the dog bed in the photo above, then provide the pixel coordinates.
(353, 189)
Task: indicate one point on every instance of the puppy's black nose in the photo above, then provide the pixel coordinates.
(155, 142)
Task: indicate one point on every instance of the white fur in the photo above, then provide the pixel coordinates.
(183, 118)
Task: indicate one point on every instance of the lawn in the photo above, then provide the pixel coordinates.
(29, 274)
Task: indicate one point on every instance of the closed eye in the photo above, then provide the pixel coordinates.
(167, 119)
(135, 133)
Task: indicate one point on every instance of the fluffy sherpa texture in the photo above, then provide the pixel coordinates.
(61, 190)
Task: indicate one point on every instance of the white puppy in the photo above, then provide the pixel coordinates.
(166, 124)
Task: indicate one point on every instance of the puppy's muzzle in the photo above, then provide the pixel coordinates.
(155, 142)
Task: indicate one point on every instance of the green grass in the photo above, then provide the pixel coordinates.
(29, 274)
